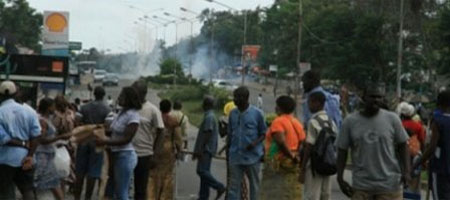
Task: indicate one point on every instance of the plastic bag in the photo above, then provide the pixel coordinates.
(62, 162)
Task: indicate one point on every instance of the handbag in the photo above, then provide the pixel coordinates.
(62, 162)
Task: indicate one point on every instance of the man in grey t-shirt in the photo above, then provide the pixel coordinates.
(375, 137)
(148, 138)
(88, 162)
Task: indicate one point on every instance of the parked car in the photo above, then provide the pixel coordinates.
(111, 80)
(225, 85)
(99, 75)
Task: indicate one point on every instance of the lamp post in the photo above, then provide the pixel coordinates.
(245, 34)
(192, 37)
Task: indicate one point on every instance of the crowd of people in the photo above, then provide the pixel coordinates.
(141, 142)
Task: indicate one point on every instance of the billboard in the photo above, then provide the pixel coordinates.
(55, 35)
(250, 52)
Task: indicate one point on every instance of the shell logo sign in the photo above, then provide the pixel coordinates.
(56, 22)
(55, 35)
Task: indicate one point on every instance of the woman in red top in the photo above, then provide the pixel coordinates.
(283, 141)
(416, 145)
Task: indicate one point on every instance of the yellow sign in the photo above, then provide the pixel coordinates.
(56, 22)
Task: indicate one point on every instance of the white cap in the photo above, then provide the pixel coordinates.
(7, 88)
(406, 109)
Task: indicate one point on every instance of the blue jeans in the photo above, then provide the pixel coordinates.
(88, 162)
(206, 179)
(122, 166)
(236, 175)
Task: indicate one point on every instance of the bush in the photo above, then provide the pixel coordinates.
(221, 96)
(168, 79)
(169, 65)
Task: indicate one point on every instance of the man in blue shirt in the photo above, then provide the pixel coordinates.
(19, 129)
(205, 149)
(311, 84)
(246, 130)
(438, 152)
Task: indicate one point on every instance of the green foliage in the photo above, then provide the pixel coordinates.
(444, 30)
(192, 96)
(168, 79)
(270, 117)
(170, 66)
(20, 24)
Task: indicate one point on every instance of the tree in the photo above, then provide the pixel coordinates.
(20, 24)
(169, 66)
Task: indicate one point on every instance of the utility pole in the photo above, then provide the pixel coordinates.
(400, 51)
(243, 61)
(299, 48)
(211, 49)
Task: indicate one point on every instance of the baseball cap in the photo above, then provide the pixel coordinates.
(406, 109)
(7, 88)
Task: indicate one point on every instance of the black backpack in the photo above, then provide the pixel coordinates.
(324, 153)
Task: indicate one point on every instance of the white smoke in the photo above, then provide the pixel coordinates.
(139, 64)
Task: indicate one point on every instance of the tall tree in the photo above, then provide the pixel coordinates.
(20, 24)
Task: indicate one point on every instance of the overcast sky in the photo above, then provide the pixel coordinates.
(109, 24)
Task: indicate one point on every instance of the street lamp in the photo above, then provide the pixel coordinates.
(189, 11)
(145, 11)
(245, 34)
(191, 40)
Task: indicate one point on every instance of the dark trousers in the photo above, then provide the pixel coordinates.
(440, 185)
(10, 176)
(141, 174)
(207, 181)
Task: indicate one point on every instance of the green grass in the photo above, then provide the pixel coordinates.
(192, 107)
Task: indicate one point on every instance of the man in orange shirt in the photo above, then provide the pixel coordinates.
(283, 141)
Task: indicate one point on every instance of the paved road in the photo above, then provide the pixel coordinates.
(187, 179)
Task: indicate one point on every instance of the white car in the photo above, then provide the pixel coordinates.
(225, 85)
(99, 75)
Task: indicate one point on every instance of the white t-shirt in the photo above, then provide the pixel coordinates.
(151, 119)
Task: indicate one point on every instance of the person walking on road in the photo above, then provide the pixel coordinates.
(19, 131)
(147, 140)
(283, 140)
(64, 117)
(416, 143)
(438, 152)
(162, 179)
(311, 84)
(88, 162)
(316, 186)
(123, 155)
(379, 150)
(246, 130)
(46, 177)
(205, 149)
(183, 121)
(259, 102)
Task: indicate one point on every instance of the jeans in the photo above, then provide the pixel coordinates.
(237, 174)
(206, 179)
(123, 164)
(88, 162)
(141, 174)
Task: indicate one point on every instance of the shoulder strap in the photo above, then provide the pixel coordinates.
(322, 122)
(181, 121)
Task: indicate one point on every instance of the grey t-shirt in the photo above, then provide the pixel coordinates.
(94, 112)
(372, 142)
(150, 121)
